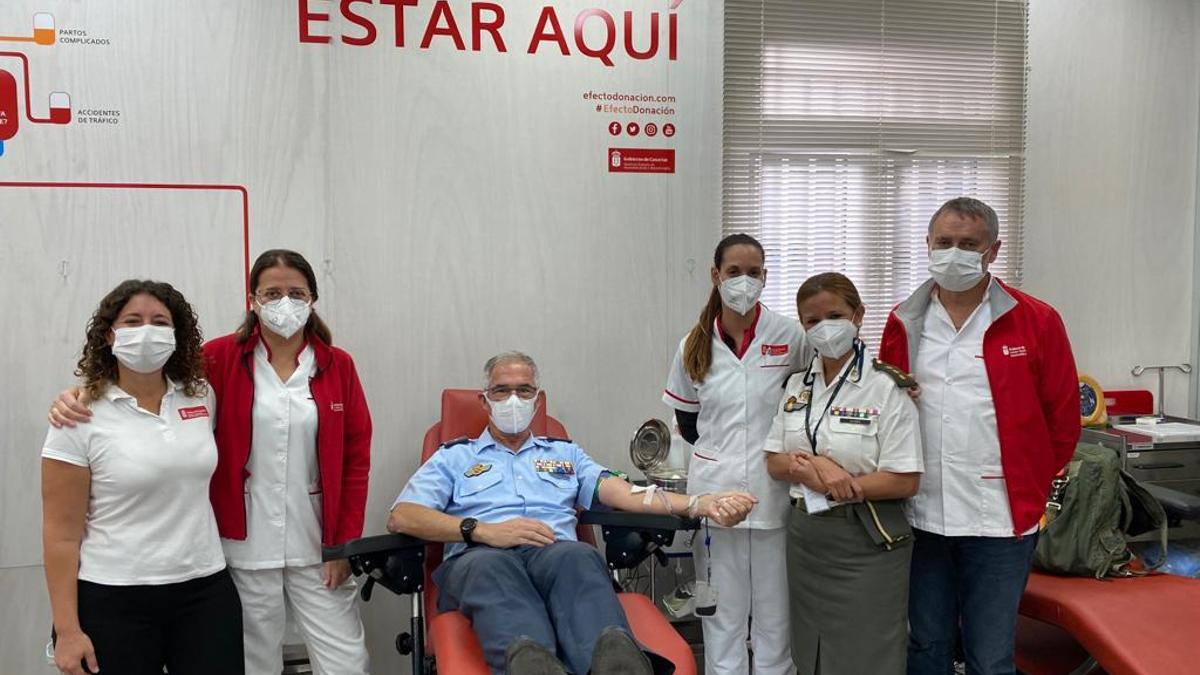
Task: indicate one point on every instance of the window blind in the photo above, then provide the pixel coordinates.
(848, 122)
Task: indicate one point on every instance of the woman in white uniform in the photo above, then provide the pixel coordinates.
(724, 385)
(846, 437)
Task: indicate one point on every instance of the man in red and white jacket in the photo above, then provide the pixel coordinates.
(999, 418)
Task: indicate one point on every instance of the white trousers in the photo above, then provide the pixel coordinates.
(749, 573)
(328, 620)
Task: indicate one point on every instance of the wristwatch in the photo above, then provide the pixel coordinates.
(467, 527)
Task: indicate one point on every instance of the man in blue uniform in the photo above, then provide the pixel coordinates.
(505, 502)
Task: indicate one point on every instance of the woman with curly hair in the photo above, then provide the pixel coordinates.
(134, 565)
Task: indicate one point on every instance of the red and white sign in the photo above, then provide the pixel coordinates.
(193, 412)
(774, 350)
(641, 160)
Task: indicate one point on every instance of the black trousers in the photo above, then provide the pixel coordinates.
(192, 627)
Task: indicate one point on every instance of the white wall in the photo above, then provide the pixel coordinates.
(455, 204)
(1112, 159)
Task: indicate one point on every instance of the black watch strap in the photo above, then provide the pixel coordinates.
(467, 528)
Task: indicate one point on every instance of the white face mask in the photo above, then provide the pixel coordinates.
(514, 414)
(740, 293)
(144, 349)
(284, 316)
(955, 269)
(832, 338)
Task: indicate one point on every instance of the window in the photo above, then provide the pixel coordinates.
(848, 122)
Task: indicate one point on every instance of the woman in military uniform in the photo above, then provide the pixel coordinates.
(846, 438)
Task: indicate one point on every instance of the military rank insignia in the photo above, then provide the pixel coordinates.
(477, 470)
(559, 467)
(901, 378)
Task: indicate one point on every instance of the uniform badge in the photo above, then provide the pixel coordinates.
(558, 467)
(795, 403)
(847, 415)
(477, 470)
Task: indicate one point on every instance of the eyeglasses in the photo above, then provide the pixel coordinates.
(272, 294)
(501, 392)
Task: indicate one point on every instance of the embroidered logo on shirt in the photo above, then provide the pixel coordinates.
(336, 407)
(774, 350)
(560, 467)
(477, 470)
(1013, 351)
(193, 412)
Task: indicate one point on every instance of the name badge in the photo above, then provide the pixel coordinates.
(775, 350)
(193, 412)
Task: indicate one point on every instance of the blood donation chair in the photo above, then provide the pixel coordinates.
(404, 564)
(1141, 625)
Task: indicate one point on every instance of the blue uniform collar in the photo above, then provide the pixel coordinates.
(486, 441)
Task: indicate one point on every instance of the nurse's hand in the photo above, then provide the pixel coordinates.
(72, 651)
(914, 393)
(335, 573)
(514, 532)
(840, 484)
(69, 408)
(726, 508)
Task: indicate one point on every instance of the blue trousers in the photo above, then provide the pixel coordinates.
(560, 595)
(972, 584)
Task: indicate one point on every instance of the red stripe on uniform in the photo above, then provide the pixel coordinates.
(680, 398)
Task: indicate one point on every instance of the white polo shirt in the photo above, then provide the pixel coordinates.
(283, 492)
(870, 425)
(962, 491)
(149, 520)
(736, 403)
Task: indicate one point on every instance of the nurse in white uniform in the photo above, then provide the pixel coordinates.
(725, 385)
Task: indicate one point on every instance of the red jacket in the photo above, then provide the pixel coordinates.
(1035, 388)
(343, 436)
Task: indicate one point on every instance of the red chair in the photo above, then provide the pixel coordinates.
(452, 642)
(1129, 402)
(1136, 626)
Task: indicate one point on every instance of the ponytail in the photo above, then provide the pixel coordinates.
(697, 351)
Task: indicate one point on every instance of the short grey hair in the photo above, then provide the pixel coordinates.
(971, 208)
(502, 358)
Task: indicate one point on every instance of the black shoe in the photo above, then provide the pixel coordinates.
(524, 656)
(617, 654)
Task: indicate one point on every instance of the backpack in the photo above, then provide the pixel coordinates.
(1094, 508)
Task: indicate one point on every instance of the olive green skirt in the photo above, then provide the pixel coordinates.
(849, 598)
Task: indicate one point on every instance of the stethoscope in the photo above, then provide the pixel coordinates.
(855, 368)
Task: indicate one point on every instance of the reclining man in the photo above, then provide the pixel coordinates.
(506, 502)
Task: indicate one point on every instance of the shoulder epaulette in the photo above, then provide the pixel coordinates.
(554, 439)
(458, 441)
(901, 378)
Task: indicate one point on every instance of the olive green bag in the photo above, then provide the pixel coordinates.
(1093, 510)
